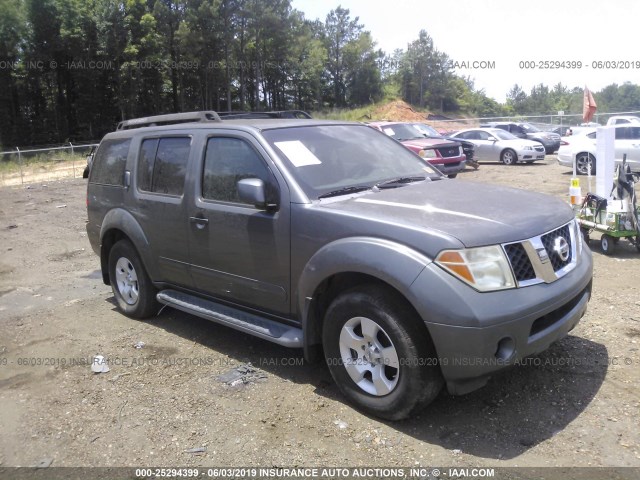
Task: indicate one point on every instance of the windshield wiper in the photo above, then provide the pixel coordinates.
(397, 182)
(345, 191)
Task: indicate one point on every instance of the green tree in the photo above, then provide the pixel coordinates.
(12, 35)
(340, 30)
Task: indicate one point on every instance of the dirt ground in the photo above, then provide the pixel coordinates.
(166, 404)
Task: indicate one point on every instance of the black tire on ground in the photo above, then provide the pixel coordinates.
(372, 336)
(452, 175)
(132, 288)
(607, 244)
(582, 163)
(508, 157)
(85, 173)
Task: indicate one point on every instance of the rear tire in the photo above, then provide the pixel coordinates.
(379, 353)
(132, 287)
(582, 163)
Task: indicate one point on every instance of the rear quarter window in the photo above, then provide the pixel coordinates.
(110, 161)
(163, 164)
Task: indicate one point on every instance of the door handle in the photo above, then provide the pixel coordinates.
(200, 222)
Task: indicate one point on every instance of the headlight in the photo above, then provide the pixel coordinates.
(461, 152)
(527, 147)
(483, 268)
(429, 153)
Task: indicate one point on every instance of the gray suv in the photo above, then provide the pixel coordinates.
(334, 238)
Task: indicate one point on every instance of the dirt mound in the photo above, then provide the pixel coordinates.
(398, 111)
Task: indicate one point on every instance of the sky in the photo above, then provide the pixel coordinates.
(507, 42)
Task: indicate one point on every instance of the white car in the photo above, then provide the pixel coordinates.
(622, 119)
(497, 145)
(581, 148)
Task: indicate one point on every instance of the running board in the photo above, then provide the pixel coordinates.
(231, 317)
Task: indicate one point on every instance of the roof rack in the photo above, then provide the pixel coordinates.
(172, 118)
(239, 114)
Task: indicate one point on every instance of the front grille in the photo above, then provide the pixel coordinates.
(539, 149)
(447, 152)
(549, 242)
(520, 263)
(540, 259)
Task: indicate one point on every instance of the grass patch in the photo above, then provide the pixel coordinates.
(10, 164)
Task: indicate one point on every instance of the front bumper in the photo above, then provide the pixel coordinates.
(529, 155)
(448, 167)
(477, 334)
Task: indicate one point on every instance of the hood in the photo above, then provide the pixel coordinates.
(475, 214)
(420, 143)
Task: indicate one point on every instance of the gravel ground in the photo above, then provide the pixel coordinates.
(199, 394)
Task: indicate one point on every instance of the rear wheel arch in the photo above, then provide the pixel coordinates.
(109, 239)
(119, 224)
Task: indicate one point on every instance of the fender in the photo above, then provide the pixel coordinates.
(120, 219)
(390, 262)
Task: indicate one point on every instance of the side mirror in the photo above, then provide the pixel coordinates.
(492, 139)
(252, 190)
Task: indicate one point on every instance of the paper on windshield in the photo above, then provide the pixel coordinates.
(298, 153)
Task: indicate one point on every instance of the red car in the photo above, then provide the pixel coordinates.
(446, 155)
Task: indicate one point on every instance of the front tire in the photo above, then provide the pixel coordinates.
(509, 157)
(379, 354)
(132, 287)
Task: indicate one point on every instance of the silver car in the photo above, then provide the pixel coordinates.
(496, 145)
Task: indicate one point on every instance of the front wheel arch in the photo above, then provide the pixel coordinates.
(508, 156)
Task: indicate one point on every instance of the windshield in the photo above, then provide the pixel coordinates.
(426, 130)
(405, 131)
(527, 127)
(327, 158)
(502, 134)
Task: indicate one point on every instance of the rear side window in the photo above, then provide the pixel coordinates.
(162, 165)
(229, 160)
(110, 161)
(622, 133)
(634, 133)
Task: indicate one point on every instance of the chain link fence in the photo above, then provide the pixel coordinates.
(544, 122)
(27, 165)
